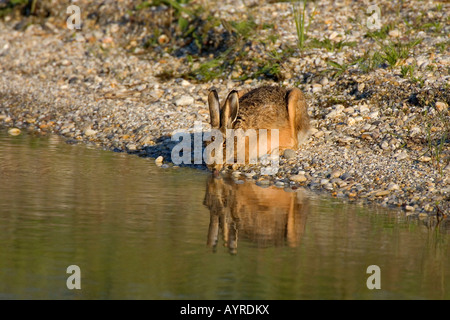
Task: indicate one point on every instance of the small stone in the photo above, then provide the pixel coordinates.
(289, 154)
(414, 131)
(381, 193)
(333, 114)
(163, 39)
(374, 115)
(250, 174)
(316, 88)
(402, 156)
(279, 184)
(159, 160)
(90, 132)
(394, 33)
(393, 186)
(263, 182)
(236, 173)
(367, 136)
(336, 173)
(14, 131)
(349, 110)
(363, 108)
(338, 107)
(2, 117)
(425, 159)
(324, 181)
(342, 184)
(409, 208)
(441, 106)
(298, 178)
(345, 176)
(361, 86)
(384, 145)
(351, 121)
(184, 100)
(185, 83)
(328, 186)
(333, 35)
(132, 147)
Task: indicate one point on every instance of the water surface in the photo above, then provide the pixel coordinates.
(142, 232)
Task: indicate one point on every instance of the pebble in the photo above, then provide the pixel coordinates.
(263, 182)
(394, 33)
(289, 154)
(381, 193)
(316, 87)
(90, 132)
(131, 147)
(298, 178)
(393, 186)
(159, 160)
(14, 131)
(336, 173)
(367, 136)
(363, 108)
(184, 100)
(236, 173)
(250, 174)
(409, 208)
(384, 145)
(441, 106)
(279, 184)
(349, 110)
(425, 159)
(402, 155)
(324, 81)
(374, 115)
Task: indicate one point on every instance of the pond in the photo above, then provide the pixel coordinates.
(139, 231)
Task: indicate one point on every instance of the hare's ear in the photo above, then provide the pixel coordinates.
(294, 98)
(214, 109)
(230, 110)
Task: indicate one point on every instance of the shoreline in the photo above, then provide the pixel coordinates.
(375, 136)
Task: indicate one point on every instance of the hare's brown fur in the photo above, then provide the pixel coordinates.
(266, 107)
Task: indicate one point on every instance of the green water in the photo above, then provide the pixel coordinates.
(137, 231)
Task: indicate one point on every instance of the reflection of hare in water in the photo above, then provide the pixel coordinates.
(265, 216)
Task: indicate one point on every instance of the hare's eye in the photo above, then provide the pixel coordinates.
(213, 139)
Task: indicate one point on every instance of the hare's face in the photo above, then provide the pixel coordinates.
(213, 160)
(222, 118)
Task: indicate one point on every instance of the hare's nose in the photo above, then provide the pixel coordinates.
(216, 173)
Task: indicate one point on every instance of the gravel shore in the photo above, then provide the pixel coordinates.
(381, 132)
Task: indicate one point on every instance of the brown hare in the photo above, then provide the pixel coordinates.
(266, 107)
